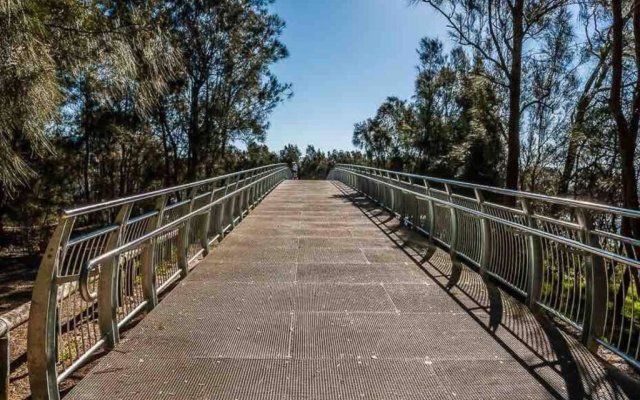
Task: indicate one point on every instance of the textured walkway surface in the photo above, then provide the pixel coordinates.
(317, 294)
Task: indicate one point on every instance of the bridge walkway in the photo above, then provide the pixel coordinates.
(319, 294)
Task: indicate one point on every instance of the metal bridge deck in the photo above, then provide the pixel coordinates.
(318, 294)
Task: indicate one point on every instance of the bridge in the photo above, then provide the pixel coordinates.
(372, 284)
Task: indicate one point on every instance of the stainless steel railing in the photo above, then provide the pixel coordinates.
(107, 262)
(561, 255)
(9, 322)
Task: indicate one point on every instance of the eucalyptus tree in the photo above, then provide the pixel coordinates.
(259, 154)
(552, 86)
(388, 136)
(625, 76)
(476, 153)
(290, 154)
(436, 87)
(227, 90)
(450, 127)
(504, 33)
(315, 164)
(31, 54)
(47, 44)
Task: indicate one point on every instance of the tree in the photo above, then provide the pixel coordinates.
(503, 33)
(129, 96)
(476, 151)
(290, 154)
(388, 135)
(259, 154)
(627, 123)
(552, 87)
(227, 91)
(450, 129)
(315, 164)
(436, 87)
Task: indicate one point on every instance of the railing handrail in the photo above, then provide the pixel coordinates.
(580, 274)
(147, 195)
(14, 318)
(92, 263)
(8, 322)
(140, 256)
(524, 228)
(509, 192)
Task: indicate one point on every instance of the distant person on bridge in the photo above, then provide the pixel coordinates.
(294, 171)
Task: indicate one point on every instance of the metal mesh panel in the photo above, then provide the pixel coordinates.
(509, 248)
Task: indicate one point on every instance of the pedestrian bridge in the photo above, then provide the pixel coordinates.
(369, 285)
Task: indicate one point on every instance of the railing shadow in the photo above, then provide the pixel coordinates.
(545, 348)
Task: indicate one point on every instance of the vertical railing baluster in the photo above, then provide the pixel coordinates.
(5, 359)
(149, 258)
(387, 196)
(431, 221)
(218, 212)
(233, 202)
(596, 285)
(251, 190)
(108, 287)
(456, 265)
(412, 201)
(485, 235)
(240, 196)
(203, 233)
(183, 236)
(534, 257)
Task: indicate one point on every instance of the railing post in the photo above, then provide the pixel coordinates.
(596, 285)
(5, 359)
(225, 205)
(534, 257)
(431, 222)
(149, 256)
(232, 203)
(248, 193)
(412, 205)
(485, 235)
(403, 207)
(42, 337)
(109, 288)
(251, 191)
(456, 265)
(384, 199)
(398, 197)
(240, 197)
(183, 236)
(220, 210)
(203, 235)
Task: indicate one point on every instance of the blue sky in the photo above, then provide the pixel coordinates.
(346, 57)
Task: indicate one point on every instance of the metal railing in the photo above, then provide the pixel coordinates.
(107, 262)
(560, 255)
(8, 322)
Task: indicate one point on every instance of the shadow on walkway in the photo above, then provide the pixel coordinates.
(551, 355)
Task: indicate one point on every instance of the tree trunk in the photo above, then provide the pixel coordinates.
(194, 133)
(515, 82)
(593, 83)
(164, 130)
(627, 132)
(123, 171)
(87, 138)
(627, 136)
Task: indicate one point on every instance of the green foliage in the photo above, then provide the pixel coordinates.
(449, 129)
(290, 154)
(101, 99)
(315, 164)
